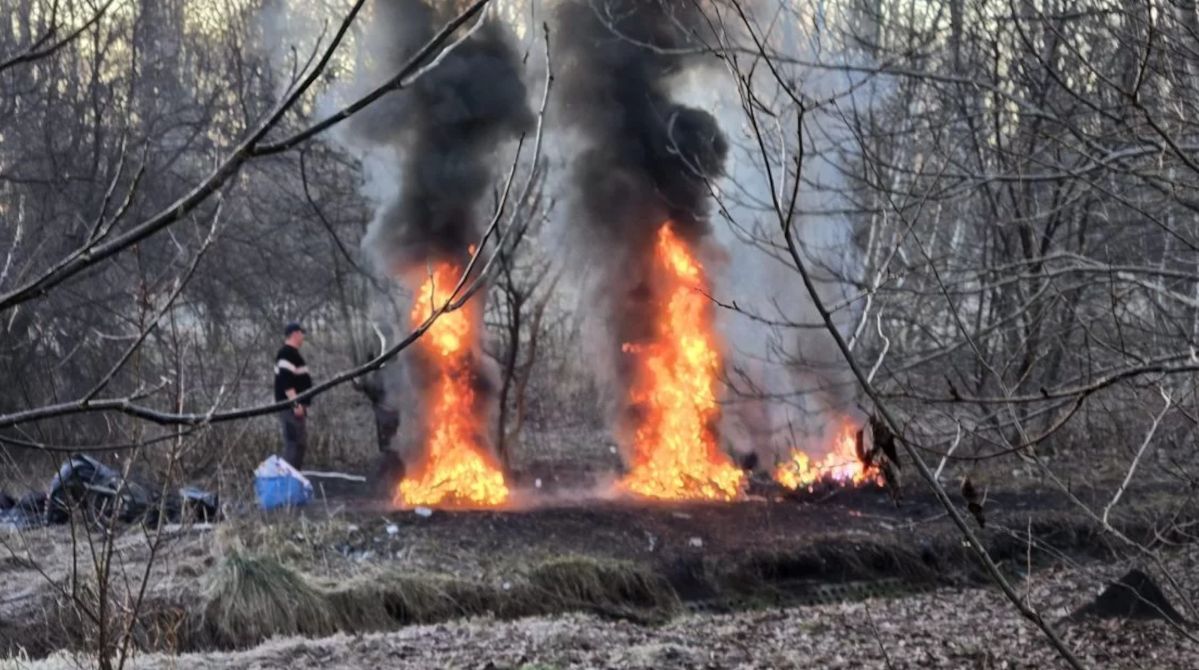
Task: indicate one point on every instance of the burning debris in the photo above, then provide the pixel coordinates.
(849, 461)
(640, 183)
(845, 463)
(457, 468)
(446, 131)
(675, 453)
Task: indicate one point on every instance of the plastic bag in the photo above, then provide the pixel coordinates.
(278, 484)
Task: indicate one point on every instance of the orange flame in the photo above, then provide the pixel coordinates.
(675, 453)
(457, 470)
(840, 465)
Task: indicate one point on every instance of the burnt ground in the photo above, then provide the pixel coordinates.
(806, 548)
(819, 552)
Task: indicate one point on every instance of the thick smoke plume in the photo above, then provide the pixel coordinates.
(432, 153)
(647, 156)
(447, 129)
(644, 157)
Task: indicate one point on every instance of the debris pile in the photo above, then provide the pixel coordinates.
(103, 496)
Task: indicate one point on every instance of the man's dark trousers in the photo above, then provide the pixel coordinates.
(295, 437)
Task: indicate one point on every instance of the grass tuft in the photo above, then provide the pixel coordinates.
(251, 598)
(390, 596)
(614, 588)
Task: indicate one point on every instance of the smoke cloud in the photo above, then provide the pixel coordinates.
(646, 155)
(792, 386)
(446, 129)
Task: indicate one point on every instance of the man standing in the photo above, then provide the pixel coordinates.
(292, 379)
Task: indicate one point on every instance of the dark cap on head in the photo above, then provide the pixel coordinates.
(293, 327)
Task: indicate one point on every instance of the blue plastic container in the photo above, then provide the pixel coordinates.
(275, 492)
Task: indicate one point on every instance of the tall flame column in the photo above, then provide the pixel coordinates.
(675, 451)
(457, 470)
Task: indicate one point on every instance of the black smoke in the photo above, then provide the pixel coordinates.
(447, 129)
(644, 159)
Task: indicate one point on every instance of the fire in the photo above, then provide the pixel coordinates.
(841, 465)
(457, 470)
(675, 453)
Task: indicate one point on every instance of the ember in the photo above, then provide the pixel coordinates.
(675, 452)
(844, 464)
(457, 470)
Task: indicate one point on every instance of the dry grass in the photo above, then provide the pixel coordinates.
(251, 598)
(251, 595)
(253, 591)
(617, 588)
(390, 596)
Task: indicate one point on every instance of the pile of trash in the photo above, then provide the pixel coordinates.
(102, 496)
